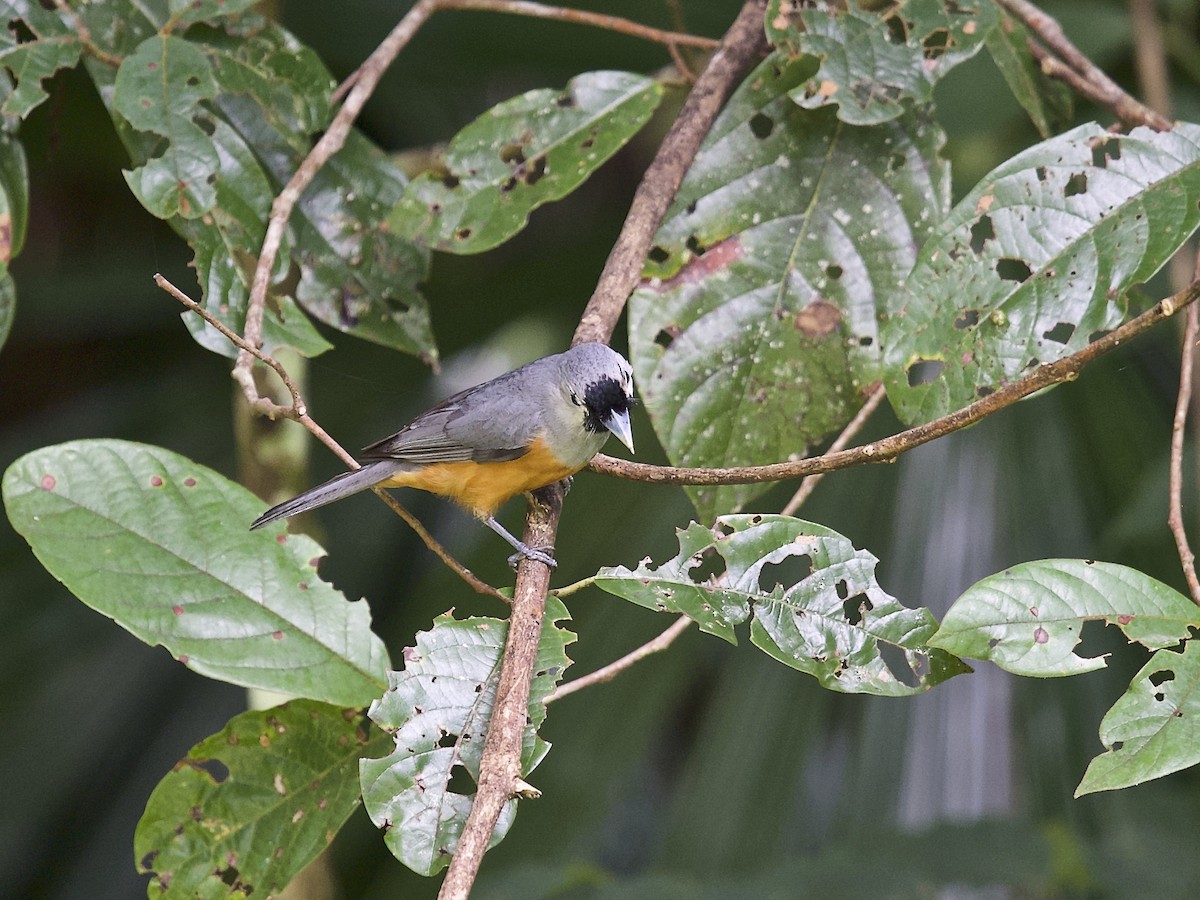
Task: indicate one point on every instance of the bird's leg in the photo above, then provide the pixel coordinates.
(522, 548)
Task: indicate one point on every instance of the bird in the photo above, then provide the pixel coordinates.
(518, 432)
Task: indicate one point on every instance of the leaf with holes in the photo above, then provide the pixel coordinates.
(437, 709)
(1036, 261)
(159, 89)
(1047, 100)
(812, 598)
(188, 12)
(753, 335)
(35, 42)
(527, 151)
(1154, 729)
(160, 545)
(251, 805)
(875, 66)
(339, 261)
(1028, 619)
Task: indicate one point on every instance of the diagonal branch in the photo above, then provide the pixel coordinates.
(501, 755)
(1175, 520)
(885, 450)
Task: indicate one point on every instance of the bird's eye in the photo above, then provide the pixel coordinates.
(574, 398)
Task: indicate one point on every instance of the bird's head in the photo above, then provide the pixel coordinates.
(599, 380)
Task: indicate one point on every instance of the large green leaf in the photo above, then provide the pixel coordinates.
(874, 65)
(244, 106)
(1036, 261)
(160, 545)
(1154, 729)
(1028, 619)
(14, 218)
(813, 598)
(49, 45)
(755, 332)
(251, 805)
(525, 152)
(1047, 100)
(160, 89)
(438, 709)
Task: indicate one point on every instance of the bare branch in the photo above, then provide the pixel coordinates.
(331, 141)
(500, 766)
(298, 413)
(887, 449)
(1175, 521)
(809, 484)
(745, 40)
(1079, 72)
(615, 668)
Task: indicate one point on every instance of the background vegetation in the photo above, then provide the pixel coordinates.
(708, 770)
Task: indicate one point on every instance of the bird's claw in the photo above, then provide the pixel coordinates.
(537, 555)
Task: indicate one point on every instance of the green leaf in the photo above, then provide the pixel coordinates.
(813, 598)
(188, 12)
(1028, 619)
(438, 710)
(1047, 100)
(159, 89)
(14, 218)
(755, 333)
(1154, 729)
(1035, 262)
(250, 806)
(8, 305)
(875, 66)
(49, 45)
(527, 151)
(160, 545)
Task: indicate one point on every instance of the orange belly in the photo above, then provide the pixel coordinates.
(482, 487)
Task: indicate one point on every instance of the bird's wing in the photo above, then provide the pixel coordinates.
(477, 425)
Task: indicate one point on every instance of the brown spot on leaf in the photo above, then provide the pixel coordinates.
(48, 482)
(189, 482)
(1124, 620)
(178, 610)
(156, 481)
(699, 268)
(278, 635)
(818, 319)
(984, 203)
(1041, 635)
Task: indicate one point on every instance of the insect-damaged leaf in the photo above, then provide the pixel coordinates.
(754, 333)
(525, 152)
(50, 44)
(251, 805)
(1028, 619)
(812, 599)
(160, 545)
(1035, 262)
(875, 65)
(1154, 729)
(243, 101)
(437, 710)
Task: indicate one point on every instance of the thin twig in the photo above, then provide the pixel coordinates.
(331, 141)
(1091, 81)
(744, 41)
(85, 35)
(615, 668)
(582, 17)
(298, 413)
(501, 759)
(809, 484)
(885, 450)
(1175, 521)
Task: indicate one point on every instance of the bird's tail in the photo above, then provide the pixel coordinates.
(334, 489)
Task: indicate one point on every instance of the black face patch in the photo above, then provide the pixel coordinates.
(600, 400)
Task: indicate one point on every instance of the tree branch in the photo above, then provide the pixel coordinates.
(745, 40)
(887, 449)
(615, 668)
(298, 412)
(1175, 521)
(500, 765)
(1079, 72)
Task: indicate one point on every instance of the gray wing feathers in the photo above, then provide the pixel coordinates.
(334, 489)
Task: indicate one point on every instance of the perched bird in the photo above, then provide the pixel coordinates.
(526, 429)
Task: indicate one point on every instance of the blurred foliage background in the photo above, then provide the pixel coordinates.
(709, 771)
